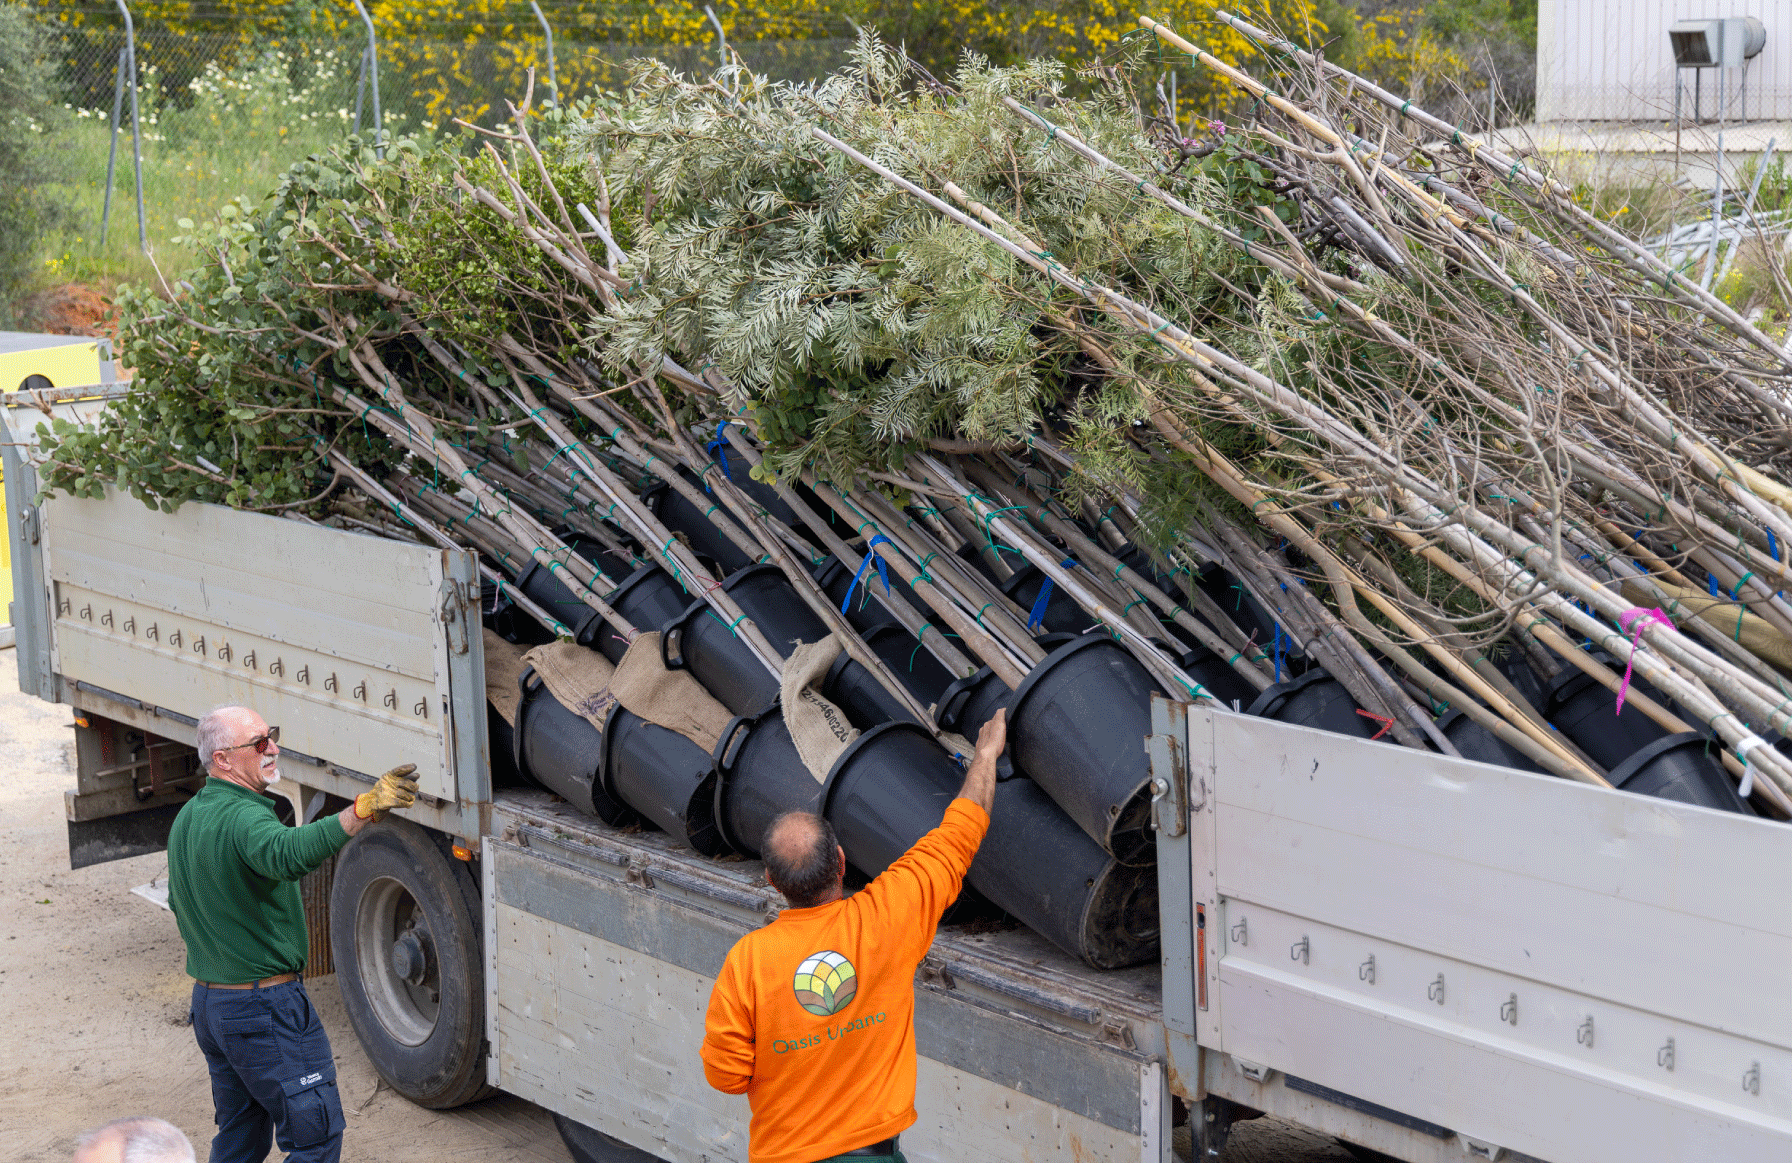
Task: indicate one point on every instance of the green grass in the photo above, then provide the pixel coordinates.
(238, 136)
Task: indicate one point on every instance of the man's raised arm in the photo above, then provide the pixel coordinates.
(980, 781)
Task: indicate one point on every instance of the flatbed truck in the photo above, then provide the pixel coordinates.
(1427, 958)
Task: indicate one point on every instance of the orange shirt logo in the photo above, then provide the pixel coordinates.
(825, 982)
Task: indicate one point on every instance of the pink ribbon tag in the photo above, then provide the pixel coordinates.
(1631, 622)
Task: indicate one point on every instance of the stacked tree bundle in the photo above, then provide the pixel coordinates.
(1334, 416)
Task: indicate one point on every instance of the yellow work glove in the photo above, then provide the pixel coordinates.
(395, 789)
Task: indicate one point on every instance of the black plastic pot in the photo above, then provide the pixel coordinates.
(665, 777)
(563, 752)
(1079, 898)
(767, 498)
(539, 583)
(1478, 743)
(892, 786)
(699, 641)
(1217, 675)
(1141, 563)
(1582, 709)
(615, 568)
(866, 703)
(1061, 616)
(1229, 594)
(760, 776)
(680, 516)
(863, 610)
(1681, 767)
(888, 790)
(972, 556)
(647, 599)
(500, 742)
(1518, 672)
(503, 618)
(917, 670)
(1315, 699)
(970, 702)
(1077, 727)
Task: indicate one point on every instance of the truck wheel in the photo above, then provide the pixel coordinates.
(405, 934)
(590, 1146)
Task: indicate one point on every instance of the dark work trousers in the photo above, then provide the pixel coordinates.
(272, 1074)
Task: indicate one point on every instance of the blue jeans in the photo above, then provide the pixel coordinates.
(272, 1074)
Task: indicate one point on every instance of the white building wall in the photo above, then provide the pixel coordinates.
(1609, 60)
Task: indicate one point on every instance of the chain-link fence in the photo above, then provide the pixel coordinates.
(224, 111)
(423, 83)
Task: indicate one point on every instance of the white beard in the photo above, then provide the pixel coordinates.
(272, 775)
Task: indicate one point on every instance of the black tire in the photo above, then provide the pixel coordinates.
(588, 1146)
(399, 897)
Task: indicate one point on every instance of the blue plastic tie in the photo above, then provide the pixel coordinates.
(1036, 616)
(871, 555)
(1773, 545)
(1711, 584)
(719, 446)
(1278, 650)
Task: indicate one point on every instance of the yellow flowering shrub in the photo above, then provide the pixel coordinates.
(442, 59)
(1396, 49)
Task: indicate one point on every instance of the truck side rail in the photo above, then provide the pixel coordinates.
(1498, 962)
(365, 651)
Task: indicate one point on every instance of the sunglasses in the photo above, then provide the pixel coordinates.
(260, 742)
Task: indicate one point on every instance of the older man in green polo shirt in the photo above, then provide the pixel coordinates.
(233, 871)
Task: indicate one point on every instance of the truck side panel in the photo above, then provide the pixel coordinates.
(1514, 961)
(29, 611)
(336, 637)
(601, 987)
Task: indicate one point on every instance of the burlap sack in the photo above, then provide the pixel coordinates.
(503, 664)
(672, 699)
(578, 678)
(816, 725)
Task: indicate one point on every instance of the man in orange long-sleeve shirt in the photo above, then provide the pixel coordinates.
(813, 1016)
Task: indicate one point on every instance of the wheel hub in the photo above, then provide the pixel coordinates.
(410, 958)
(398, 961)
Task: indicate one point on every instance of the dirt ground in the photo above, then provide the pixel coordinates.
(71, 309)
(94, 1002)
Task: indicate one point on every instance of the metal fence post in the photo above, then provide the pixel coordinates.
(373, 76)
(721, 36)
(553, 81)
(112, 157)
(360, 88)
(127, 63)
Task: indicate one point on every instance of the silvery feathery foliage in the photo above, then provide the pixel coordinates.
(852, 319)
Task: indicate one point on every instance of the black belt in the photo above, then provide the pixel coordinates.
(887, 1147)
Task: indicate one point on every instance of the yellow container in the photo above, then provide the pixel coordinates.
(67, 361)
(6, 575)
(63, 361)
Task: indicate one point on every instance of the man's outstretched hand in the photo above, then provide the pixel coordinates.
(395, 789)
(980, 781)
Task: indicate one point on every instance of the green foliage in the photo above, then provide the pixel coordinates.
(231, 402)
(28, 161)
(854, 322)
